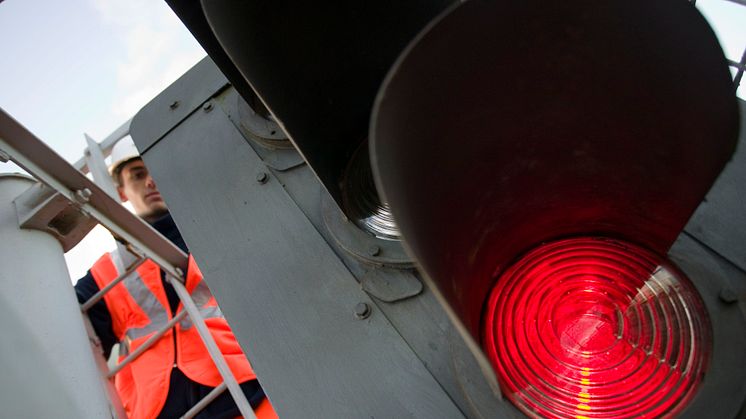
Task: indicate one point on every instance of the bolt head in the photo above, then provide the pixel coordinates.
(207, 107)
(83, 195)
(262, 177)
(174, 104)
(728, 296)
(362, 311)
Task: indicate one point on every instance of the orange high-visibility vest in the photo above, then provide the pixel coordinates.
(139, 308)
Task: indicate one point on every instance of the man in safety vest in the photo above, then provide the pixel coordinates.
(176, 372)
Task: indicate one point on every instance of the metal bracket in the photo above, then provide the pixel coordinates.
(391, 285)
(41, 208)
(265, 136)
(261, 128)
(360, 244)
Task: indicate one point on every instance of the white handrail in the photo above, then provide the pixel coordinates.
(30, 153)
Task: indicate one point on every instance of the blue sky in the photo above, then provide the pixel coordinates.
(76, 66)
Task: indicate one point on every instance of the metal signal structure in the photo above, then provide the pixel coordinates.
(543, 164)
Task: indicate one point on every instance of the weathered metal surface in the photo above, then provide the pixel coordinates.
(420, 320)
(391, 285)
(203, 81)
(288, 297)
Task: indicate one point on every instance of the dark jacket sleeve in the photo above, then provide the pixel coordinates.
(86, 288)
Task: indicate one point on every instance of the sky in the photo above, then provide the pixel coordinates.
(87, 66)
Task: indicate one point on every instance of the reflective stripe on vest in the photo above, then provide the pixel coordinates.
(150, 305)
(139, 307)
(201, 295)
(142, 295)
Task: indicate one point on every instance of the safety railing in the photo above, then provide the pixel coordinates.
(739, 66)
(96, 201)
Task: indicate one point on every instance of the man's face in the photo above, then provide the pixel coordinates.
(138, 187)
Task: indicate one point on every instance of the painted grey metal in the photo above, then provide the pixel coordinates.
(105, 145)
(359, 243)
(259, 125)
(420, 321)
(176, 102)
(283, 159)
(212, 348)
(102, 364)
(146, 345)
(48, 367)
(97, 167)
(724, 206)
(391, 285)
(41, 208)
(723, 390)
(286, 293)
(212, 395)
(37, 158)
(279, 155)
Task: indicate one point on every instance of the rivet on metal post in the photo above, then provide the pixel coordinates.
(179, 272)
(207, 107)
(362, 311)
(728, 296)
(4, 157)
(262, 177)
(174, 104)
(83, 195)
(374, 250)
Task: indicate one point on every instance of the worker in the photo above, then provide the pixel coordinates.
(176, 372)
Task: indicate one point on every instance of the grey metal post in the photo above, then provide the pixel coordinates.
(49, 369)
(94, 158)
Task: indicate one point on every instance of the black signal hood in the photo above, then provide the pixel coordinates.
(511, 123)
(316, 65)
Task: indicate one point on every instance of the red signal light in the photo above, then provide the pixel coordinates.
(596, 328)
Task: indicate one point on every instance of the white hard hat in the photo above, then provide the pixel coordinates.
(122, 152)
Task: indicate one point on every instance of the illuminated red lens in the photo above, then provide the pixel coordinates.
(596, 328)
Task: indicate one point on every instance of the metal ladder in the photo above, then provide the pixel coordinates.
(96, 201)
